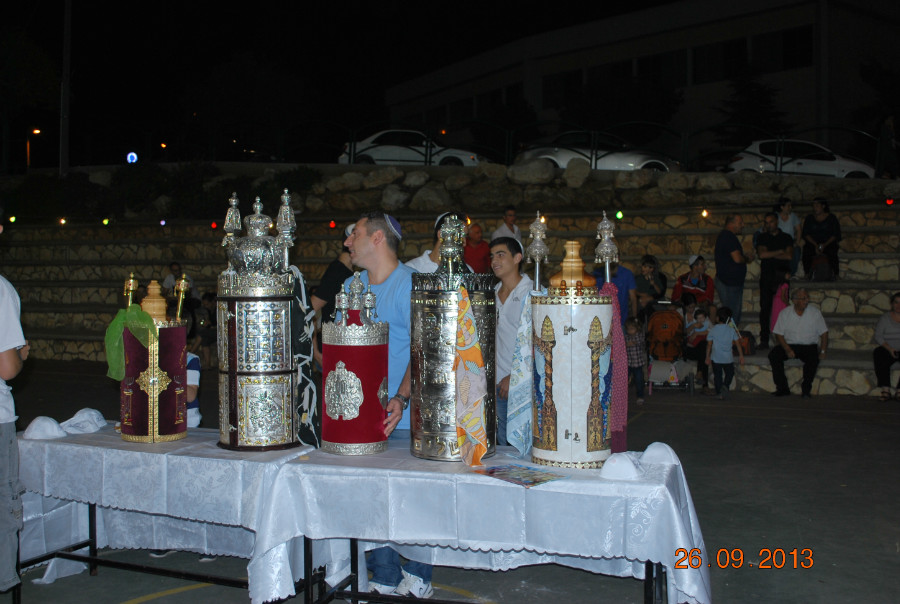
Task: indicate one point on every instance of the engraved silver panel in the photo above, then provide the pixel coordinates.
(265, 414)
(354, 448)
(433, 349)
(263, 335)
(355, 335)
(224, 428)
(343, 393)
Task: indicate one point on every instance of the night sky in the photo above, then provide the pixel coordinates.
(139, 69)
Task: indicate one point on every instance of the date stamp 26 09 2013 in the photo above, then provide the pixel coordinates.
(734, 558)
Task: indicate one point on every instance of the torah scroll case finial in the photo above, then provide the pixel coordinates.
(606, 252)
(537, 250)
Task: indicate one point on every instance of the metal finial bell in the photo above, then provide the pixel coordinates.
(537, 250)
(606, 252)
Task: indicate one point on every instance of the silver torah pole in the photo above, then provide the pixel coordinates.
(606, 251)
(537, 250)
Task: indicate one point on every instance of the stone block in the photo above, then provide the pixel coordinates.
(712, 181)
(851, 382)
(537, 172)
(416, 179)
(349, 181)
(455, 182)
(576, 173)
(637, 179)
(433, 198)
(394, 198)
(491, 171)
(381, 177)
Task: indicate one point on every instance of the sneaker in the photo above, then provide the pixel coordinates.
(381, 588)
(413, 587)
(161, 553)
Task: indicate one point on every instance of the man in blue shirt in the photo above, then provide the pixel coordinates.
(624, 281)
(373, 246)
(731, 266)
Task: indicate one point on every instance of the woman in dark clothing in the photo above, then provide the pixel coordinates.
(821, 234)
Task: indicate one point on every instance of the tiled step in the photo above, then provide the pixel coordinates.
(853, 332)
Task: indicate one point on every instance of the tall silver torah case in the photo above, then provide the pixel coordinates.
(257, 373)
(435, 303)
(571, 332)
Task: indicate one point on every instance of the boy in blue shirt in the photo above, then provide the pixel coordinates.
(719, 354)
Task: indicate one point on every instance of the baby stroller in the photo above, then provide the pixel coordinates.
(665, 341)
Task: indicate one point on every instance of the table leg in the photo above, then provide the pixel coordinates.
(92, 537)
(654, 583)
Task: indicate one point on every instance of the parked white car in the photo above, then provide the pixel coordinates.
(405, 147)
(798, 157)
(603, 153)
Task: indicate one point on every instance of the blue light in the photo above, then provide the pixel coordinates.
(131, 158)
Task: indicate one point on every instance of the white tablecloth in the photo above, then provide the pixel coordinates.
(190, 494)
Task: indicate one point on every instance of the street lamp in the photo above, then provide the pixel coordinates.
(35, 132)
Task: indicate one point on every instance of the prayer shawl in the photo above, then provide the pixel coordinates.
(521, 389)
(471, 385)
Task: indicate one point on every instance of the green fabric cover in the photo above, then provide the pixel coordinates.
(141, 326)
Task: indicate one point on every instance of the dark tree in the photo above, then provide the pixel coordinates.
(749, 113)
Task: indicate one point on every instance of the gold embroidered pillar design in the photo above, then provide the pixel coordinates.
(546, 436)
(153, 380)
(597, 414)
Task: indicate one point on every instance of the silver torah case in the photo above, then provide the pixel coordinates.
(435, 303)
(257, 372)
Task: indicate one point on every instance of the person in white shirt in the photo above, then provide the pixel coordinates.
(13, 353)
(511, 293)
(508, 228)
(429, 260)
(800, 333)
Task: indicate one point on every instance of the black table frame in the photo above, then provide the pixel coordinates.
(313, 582)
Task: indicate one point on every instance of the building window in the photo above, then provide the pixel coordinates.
(720, 61)
(667, 69)
(786, 49)
(486, 103)
(560, 89)
(436, 117)
(461, 110)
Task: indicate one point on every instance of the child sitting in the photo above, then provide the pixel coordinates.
(696, 330)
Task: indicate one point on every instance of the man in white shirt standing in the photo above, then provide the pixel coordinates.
(13, 352)
(800, 333)
(429, 261)
(508, 228)
(511, 293)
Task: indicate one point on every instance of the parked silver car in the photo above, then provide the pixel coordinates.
(798, 157)
(601, 152)
(405, 147)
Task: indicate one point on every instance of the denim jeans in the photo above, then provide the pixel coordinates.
(718, 370)
(731, 296)
(384, 562)
(638, 373)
